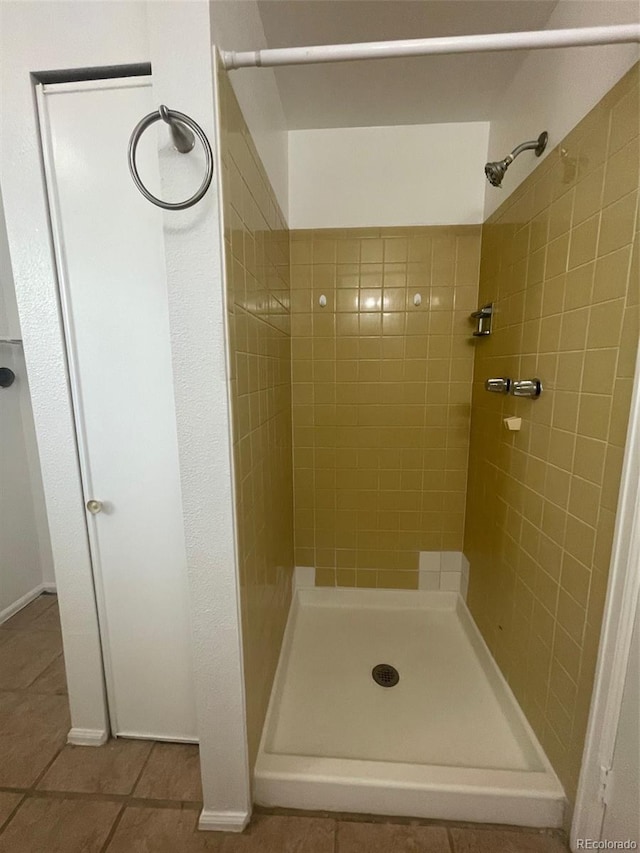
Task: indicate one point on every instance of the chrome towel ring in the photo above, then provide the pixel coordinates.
(181, 126)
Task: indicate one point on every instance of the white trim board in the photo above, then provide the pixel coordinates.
(160, 738)
(25, 600)
(615, 643)
(87, 737)
(229, 821)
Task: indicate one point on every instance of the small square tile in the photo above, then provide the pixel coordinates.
(451, 561)
(109, 769)
(171, 773)
(428, 580)
(429, 561)
(59, 826)
(355, 837)
(450, 581)
(464, 587)
(305, 577)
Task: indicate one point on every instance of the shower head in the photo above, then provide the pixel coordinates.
(495, 171)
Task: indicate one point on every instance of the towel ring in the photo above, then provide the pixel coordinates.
(184, 142)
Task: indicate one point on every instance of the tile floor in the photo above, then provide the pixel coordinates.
(142, 797)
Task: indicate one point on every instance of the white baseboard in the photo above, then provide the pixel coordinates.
(163, 738)
(50, 587)
(87, 737)
(212, 821)
(25, 599)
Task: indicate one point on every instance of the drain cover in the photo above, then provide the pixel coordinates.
(385, 675)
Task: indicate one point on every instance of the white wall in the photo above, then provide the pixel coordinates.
(236, 25)
(381, 176)
(554, 89)
(26, 561)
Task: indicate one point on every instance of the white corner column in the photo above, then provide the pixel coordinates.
(183, 79)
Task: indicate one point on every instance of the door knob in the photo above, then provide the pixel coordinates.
(94, 506)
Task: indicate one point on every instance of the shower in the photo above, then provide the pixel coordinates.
(495, 171)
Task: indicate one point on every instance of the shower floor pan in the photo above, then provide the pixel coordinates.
(448, 741)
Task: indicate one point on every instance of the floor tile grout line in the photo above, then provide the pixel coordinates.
(12, 814)
(34, 786)
(450, 840)
(142, 769)
(143, 802)
(114, 828)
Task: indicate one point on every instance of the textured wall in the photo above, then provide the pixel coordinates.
(381, 393)
(559, 262)
(257, 275)
(25, 549)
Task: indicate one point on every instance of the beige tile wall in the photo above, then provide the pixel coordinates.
(257, 276)
(560, 262)
(381, 398)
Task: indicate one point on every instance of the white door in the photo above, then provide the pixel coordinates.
(110, 258)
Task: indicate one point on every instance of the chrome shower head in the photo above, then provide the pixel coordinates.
(495, 171)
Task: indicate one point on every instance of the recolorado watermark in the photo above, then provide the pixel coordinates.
(592, 844)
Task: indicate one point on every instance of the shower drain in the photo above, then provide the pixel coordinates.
(385, 675)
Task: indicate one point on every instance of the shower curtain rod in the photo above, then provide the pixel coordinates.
(583, 36)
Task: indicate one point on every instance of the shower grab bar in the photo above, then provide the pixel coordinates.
(181, 126)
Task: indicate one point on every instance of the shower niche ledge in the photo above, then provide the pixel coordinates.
(447, 740)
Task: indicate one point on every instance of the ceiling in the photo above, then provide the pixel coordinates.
(418, 90)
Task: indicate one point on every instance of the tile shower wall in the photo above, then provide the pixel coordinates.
(381, 398)
(560, 263)
(257, 278)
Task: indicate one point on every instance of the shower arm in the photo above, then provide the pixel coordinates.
(538, 145)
